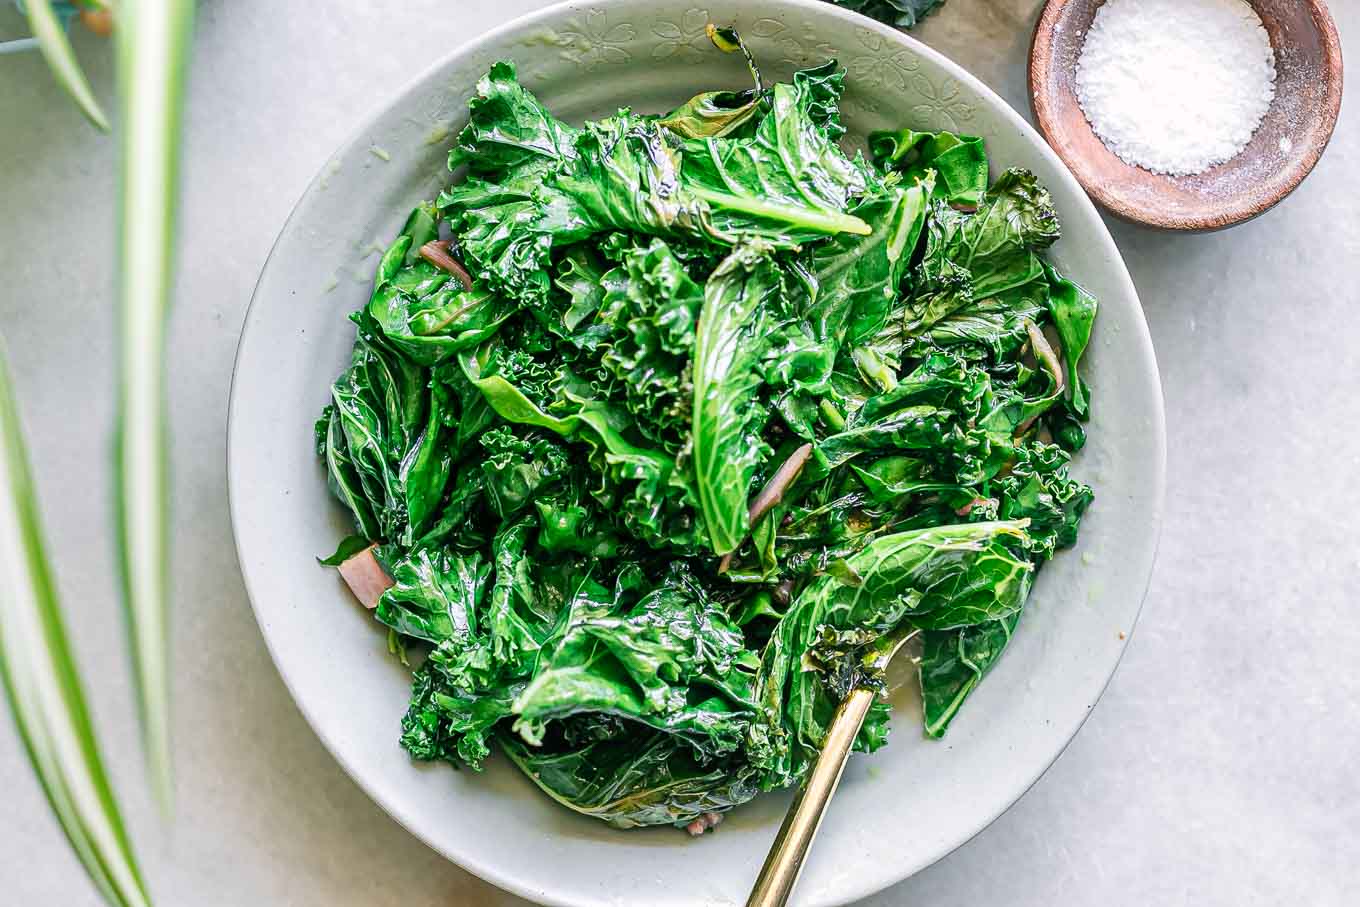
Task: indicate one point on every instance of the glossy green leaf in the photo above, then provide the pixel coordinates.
(957, 163)
(943, 575)
(348, 547)
(789, 180)
(1074, 314)
(726, 420)
(860, 277)
(996, 247)
(953, 663)
(436, 595)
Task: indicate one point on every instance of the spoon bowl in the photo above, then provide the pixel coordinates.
(1281, 153)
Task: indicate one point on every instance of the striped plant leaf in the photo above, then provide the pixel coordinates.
(152, 51)
(45, 693)
(56, 49)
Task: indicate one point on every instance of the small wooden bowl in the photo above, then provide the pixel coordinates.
(1284, 149)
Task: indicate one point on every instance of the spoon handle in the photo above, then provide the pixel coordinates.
(785, 860)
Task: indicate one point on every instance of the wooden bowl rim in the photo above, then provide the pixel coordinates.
(1235, 210)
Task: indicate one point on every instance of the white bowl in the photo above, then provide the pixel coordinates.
(898, 810)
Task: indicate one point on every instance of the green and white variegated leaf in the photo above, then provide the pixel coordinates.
(153, 47)
(56, 49)
(44, 690)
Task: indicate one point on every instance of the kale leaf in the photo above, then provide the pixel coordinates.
(715, 407)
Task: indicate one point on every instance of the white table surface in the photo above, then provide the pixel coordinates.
(1220, 768)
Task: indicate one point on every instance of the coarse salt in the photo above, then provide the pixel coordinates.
(1175, 86)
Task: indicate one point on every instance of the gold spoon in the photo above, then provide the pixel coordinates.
(785, 860)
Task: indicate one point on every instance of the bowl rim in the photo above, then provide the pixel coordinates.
(1041, 63)
(1140, 348)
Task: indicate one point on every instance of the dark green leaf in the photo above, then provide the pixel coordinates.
(996, 246)
(437, 595)
(788, 183)
(946, 575)
(349, 546)
(1074, 314)
(958, 163)
(953, 662)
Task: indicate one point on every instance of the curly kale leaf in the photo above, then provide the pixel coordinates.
(673, 662)
(423, 311)
(542, 186)
(1038, 488)
(653, 311)
(517, 467)
(436, 595)
(653, 496)
(386, 441)
(509, 128)
(859, 278)
(931, 412)
(996, 246)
